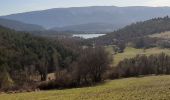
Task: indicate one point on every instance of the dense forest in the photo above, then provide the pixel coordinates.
(26, 60)
(23, 56)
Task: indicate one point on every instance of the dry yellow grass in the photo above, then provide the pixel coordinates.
(130, 52)
(164, 35)
(145, 88)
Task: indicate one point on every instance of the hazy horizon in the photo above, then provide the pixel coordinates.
(11, 7)
(75, 7)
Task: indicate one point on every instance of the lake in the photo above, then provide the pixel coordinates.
(87, 36)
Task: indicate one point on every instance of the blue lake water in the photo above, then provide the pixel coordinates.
(87, 36)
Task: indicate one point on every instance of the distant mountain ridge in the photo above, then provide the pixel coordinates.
(64, 17)
(19, 26)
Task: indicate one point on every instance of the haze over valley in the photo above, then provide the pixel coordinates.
(89, 19)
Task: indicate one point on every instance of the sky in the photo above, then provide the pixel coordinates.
(18, 6)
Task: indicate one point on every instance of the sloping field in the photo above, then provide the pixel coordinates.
(130, 52)
(144, 88)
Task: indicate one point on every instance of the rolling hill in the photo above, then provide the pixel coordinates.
(136, 30)
(20, 26)
(144, 88)
(63, 17)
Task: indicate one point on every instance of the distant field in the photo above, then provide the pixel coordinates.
(144, 88)
(132, 52)
(164, 35)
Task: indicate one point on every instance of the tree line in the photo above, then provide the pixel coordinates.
(143, 65)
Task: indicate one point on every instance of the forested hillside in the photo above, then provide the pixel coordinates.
(25, 58)
(136, 30)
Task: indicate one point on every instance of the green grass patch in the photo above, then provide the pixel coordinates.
(145, 88)
(130, 52)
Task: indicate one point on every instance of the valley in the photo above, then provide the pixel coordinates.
(84, 52)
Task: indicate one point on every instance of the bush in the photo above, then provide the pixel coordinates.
(47, 85)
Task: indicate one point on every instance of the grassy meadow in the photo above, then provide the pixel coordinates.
(144, 88)
(130, 52)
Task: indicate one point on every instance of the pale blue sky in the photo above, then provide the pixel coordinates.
(17, 6)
